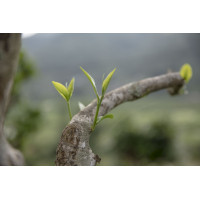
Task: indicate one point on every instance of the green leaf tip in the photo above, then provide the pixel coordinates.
(108, 116)
(186, 72)
(70, 88)
(91, 81)
(107, 81)
(65, 92)
(61, 89)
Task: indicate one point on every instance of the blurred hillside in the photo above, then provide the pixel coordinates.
(59, 56)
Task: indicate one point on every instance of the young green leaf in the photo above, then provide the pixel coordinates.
(186, 72)
(61, 89)
(71, 88)
(110, 116)
(107, 81)
(81, 106)
(91, 81)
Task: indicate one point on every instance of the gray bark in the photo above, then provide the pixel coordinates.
(74, 149)
(9, 52)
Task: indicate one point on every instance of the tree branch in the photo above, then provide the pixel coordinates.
(10, 44)
(74, 149)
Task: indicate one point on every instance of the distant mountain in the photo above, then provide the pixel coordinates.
(59, 56)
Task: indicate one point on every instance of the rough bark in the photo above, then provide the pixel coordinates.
(9, 51)
(74, 149)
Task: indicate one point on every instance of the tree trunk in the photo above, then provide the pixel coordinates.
(9, 52)
(74, 149)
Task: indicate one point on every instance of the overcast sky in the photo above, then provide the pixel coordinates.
(25, 35)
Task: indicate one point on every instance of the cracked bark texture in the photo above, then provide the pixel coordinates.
(74, 149)
(9, 52)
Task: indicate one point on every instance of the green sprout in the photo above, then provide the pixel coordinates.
(65, 92)
(99, 98)
(186, 72)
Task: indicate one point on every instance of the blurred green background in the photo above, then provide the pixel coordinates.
(156, 130)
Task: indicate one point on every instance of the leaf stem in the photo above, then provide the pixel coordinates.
(69, 110)
(97, 112)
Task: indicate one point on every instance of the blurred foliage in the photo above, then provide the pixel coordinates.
(144, 146)
(150, 132)
(26, 69)
(24, 122)
(23, 117)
